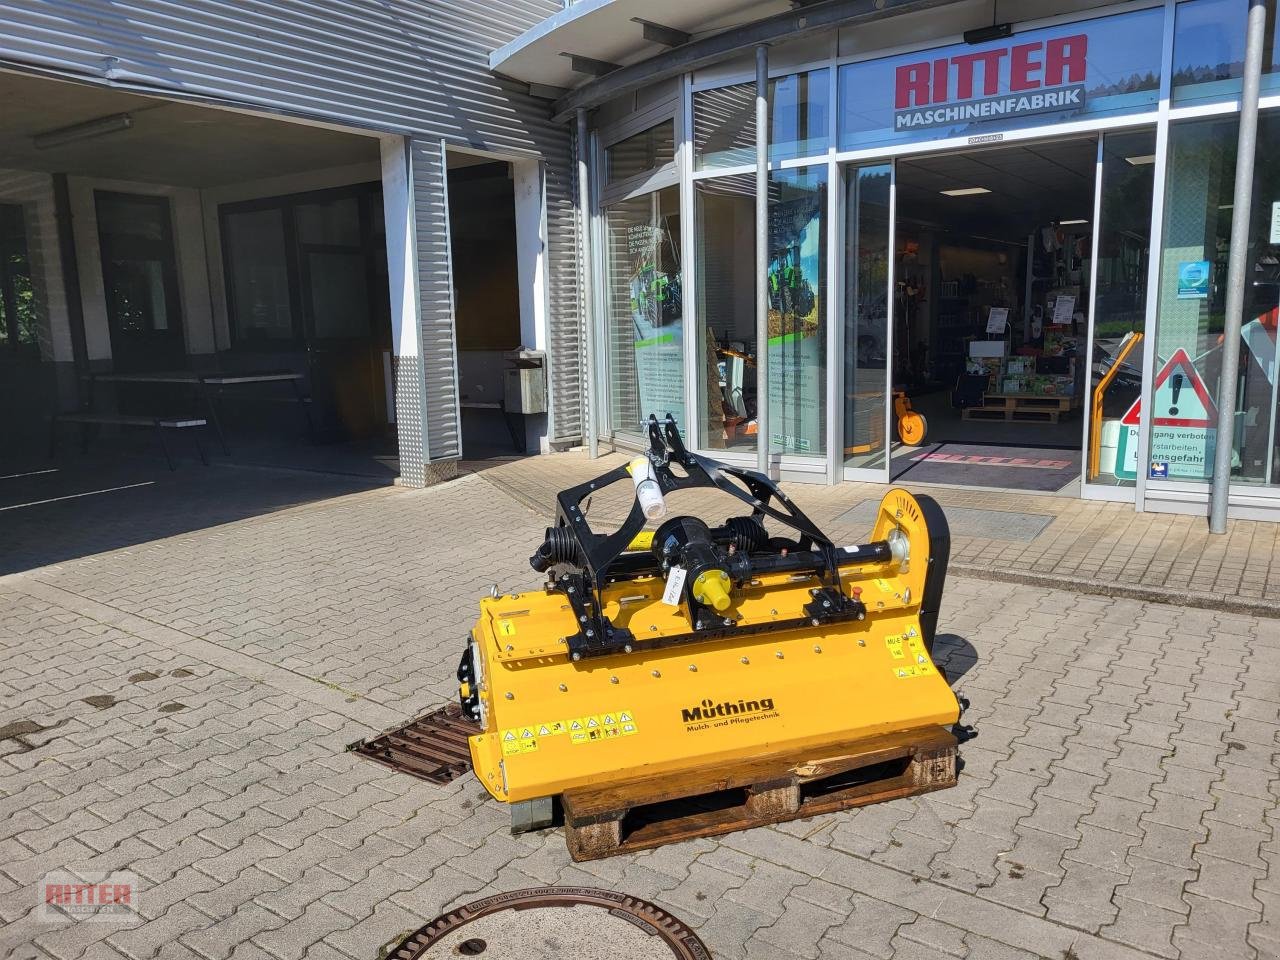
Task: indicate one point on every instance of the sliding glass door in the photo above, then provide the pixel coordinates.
(868, 280)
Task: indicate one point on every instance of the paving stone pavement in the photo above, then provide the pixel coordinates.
(1120, 800)
(1040, 539)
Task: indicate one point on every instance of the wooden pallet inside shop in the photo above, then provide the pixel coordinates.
(650, 812)
(1020, 406)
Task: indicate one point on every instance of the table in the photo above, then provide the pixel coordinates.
(202, 382)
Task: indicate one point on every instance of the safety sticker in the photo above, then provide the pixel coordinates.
(894, 644)
(884, 585)
(506, 628)
(916, 648)
(906, 671)
(599, 726)
(518, 740)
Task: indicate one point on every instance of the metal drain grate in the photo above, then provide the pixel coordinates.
(547, 923)
(432, 747)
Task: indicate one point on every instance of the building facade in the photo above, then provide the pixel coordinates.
(221, 131)
(1013, 217)
(1010, 221)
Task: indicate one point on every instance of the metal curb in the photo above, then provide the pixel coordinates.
(1200, 600)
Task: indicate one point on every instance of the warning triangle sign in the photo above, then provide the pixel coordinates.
(1180, 397)
(576, 725)
(608, 718)
(508, 736)
(592, 722)
(544, 731)
(624, 716)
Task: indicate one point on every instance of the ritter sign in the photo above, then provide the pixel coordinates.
(1103, 66)
(1042, 76)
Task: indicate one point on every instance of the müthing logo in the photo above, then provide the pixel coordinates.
(709, 709)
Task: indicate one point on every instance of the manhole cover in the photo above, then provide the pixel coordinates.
(555, 922)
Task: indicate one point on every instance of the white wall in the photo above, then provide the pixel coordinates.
(189, 254)
(34, 191)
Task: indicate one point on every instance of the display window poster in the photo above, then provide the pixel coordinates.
(796, 379)
(657, 318)
(1105, 66)
(1193, 280)
(1183, 426)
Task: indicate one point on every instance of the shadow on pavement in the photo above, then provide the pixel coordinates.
(954, 655)
(78, 506)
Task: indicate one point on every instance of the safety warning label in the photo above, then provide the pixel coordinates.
(588, 729)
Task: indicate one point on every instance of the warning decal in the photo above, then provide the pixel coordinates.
(906, 671)
(600, 726)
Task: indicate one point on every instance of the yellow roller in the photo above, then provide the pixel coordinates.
(701, 647)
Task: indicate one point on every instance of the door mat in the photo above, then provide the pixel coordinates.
(981, 465)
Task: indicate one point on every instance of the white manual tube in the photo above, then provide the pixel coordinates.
(647, 490)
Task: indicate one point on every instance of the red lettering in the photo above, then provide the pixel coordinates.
(941, 80)
(991, 70)
(1065, 56)
(912, 84)
(1022, 67)
(964, 74)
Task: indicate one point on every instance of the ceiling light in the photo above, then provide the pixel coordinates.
(82, 131)
(964, 191)
(1070, 223)
(1141, 160)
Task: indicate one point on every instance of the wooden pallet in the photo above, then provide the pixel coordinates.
(649, 812)
(1018, 406)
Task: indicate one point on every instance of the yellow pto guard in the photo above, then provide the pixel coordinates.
(700, 648)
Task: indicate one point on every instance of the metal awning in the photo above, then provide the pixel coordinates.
(595, 35)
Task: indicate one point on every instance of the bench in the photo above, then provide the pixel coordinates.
(87, 419)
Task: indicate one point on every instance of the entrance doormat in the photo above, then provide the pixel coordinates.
(980, 465)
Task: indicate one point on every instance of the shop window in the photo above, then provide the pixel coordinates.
(19, 316)
(797, 354)
(1122, 246)
(866, 313)
(647, 150)
(724, 127)
(798, 115)
(1208, 50)
(644, 310)
(726, 229)
(724, 121)
(1192, 306)
(1103, 67)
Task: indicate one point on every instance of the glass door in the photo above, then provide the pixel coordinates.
(140, 278)
(868, 308)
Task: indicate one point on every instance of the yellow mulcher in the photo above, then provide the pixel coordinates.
(694, 679)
